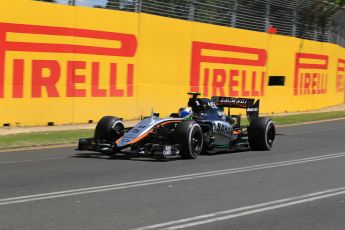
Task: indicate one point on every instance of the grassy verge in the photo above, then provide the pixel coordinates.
(307, 117)
(43, 138)
(69, 137)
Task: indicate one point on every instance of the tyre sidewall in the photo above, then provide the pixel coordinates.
(270, 125)
(183, 136)
(105, 129)
(194, 128)
(258, 132)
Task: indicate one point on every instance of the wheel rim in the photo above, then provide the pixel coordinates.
(196, 142)
(270, 135)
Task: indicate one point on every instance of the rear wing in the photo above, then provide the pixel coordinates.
(251, 106)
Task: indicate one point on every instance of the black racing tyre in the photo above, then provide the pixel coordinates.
(109, 128)
(261, 133)
(189, 136)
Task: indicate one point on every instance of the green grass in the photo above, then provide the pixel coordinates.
(70, 137)
(43, 138)
(301, 118)
(307, 117)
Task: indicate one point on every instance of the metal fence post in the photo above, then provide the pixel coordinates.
(267, 15)
(191, 10)
(234, 14)
(138, 6)
(338, 37)
(315, 32)
(71, 2)
(294, 25)
(329, 30)
(342, 38)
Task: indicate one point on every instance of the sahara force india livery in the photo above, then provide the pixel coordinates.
(205, 128)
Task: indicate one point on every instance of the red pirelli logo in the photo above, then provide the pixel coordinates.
(310, 74)
(232, 78)
(76, 83)
(340, 75)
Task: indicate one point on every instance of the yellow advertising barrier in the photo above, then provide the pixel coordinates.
(67, 64)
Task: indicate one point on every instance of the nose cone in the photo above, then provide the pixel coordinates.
(137, 132)
(122, 142)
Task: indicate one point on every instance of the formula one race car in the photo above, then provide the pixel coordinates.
(201, 127)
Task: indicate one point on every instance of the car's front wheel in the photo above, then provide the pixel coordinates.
(189, 136)
(109, 128)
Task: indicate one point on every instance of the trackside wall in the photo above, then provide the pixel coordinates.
(67, 64)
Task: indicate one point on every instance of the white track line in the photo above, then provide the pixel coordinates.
(243, 211)
(33, 160)
(54, 146)
(66, 193)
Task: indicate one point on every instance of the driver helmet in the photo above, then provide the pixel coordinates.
(185, 112)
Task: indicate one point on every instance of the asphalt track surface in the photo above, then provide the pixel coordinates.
(300, 184)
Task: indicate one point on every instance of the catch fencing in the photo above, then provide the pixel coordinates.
(316, 20)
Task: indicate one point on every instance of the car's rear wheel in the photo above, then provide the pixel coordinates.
(261, 133)
(189, 136)
(109, 128)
